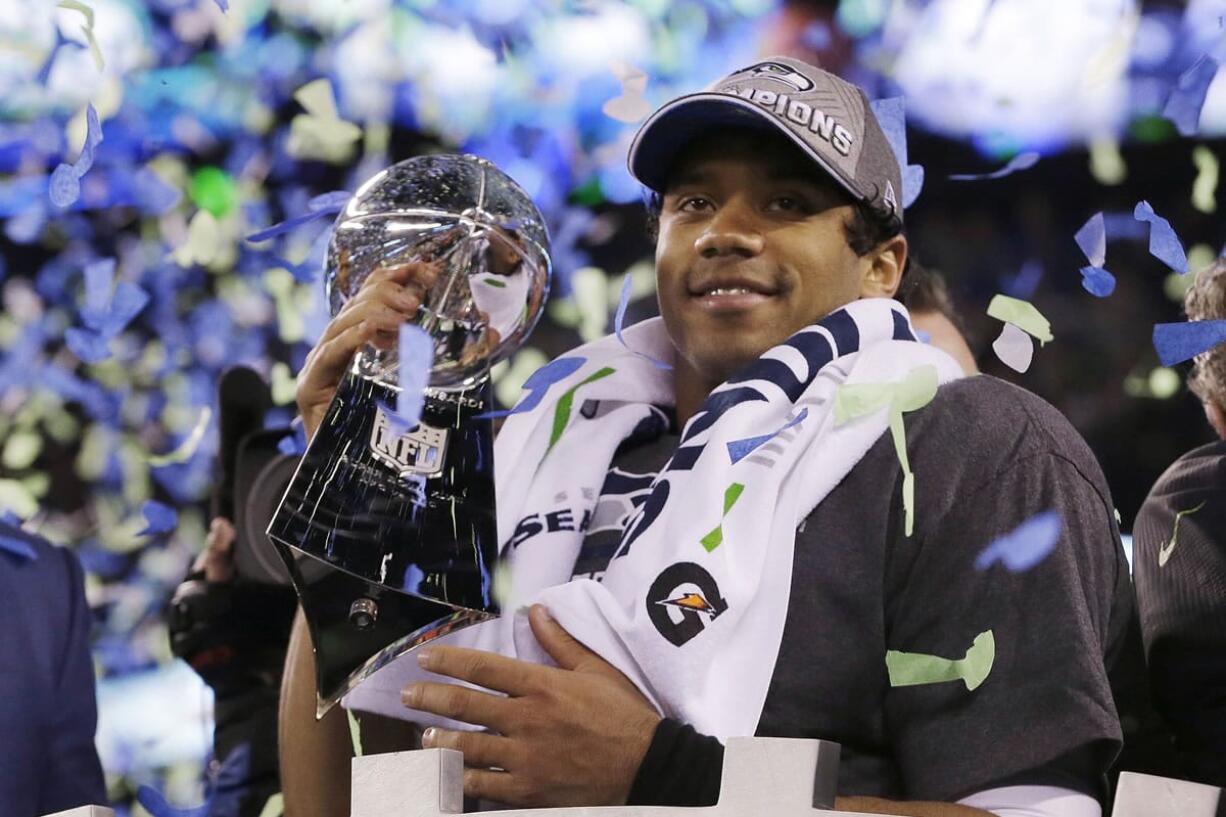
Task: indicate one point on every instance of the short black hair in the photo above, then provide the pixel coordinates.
(867, 228)
(925, 291)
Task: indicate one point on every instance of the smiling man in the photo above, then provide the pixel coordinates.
(763, 548)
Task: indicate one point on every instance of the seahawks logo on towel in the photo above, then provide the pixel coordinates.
(682, 601)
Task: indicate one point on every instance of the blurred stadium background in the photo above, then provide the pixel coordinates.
(208, 136)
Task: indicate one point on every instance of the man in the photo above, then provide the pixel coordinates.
(48, 709)
(1180, 567)
(776, 196)
(933, 315)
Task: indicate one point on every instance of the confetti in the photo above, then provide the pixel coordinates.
(14, 540)
(355, 733)
(911, 668)
(275, 807)
(203, 241)
(630, 107)
(1097, 281)
(416, 361)
(1177, 342)
(87, 29)
(740, 449)
(620, 318)
(913, 392)
(1204, 189)
(1026, 545)
(1163, 243)
(64, 187)
(159, 518)
(188, 447)
(1165, 549)
(323, 205)
(538, 384)
(1021, 161)
(1106, 163)
(891, 115)
(1021, 314)
(156, 804)
(320, 133)
(1025, 281)
(1092, 239)
(1183, 106)
(1014, 348)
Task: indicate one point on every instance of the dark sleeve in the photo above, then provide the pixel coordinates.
(1046, 698)
(73, 775)
(681, 768)
(1182, 602)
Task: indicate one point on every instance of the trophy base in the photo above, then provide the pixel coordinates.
(358, 626)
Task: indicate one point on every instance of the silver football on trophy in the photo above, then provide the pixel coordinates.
(484, 235)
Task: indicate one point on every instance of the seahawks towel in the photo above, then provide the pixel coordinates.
(692, 605)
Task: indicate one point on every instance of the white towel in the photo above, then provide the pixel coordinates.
(692, 606)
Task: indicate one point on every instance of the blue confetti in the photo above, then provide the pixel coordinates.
(159, 518)
(1025, 281)
(891, 115)
(1092, 238)
(413, 577)
(99, 281)
(1177, 342)
(14, 540)
(156, 804)
(1021, 161)
(1097, 281)
(65, 186)
(1183, 106)
(320, 206)
(538, 384)
(620, 318)
(1163, 243)
(416, 362)
(740, 449)
(224, 5)
(1026, 545)
(295, 444)
(88, 345)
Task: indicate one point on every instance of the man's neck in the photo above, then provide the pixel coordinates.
(690, 389)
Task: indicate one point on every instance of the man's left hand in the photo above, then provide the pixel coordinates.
(573, 735)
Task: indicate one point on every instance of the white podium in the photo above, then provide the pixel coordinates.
(762, 777)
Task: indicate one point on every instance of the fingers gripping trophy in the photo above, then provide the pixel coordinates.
(389, 534)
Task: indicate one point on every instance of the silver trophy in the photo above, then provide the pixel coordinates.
(390, 536)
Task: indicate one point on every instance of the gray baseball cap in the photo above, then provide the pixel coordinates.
(827, 117)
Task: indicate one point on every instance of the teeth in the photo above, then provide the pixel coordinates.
(729, 291)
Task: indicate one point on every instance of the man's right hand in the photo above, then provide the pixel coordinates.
(388, 297)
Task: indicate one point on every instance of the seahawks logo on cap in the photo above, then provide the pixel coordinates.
(780, 73)
(889, 197)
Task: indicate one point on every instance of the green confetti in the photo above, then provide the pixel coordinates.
(1204, 189)
(1021, 314)
(913, 668)
(214, 190)
(913, 392)
(16, 497)
(561, 414)
(355, 733)
(284, 385)
(184, 452)
(21, 449)
(87, 29)
(716, 537)
(275, 807)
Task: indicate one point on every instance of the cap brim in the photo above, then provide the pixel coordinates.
(655, 147)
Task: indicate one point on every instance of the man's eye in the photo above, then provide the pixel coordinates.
(693, 203)
(788, 203)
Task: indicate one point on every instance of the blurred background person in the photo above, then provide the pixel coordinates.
(1180, 566)
(48, 711)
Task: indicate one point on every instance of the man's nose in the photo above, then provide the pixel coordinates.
(733, 230)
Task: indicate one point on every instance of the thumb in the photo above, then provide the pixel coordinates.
(563, 648)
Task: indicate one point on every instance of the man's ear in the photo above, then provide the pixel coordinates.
(885, 267)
